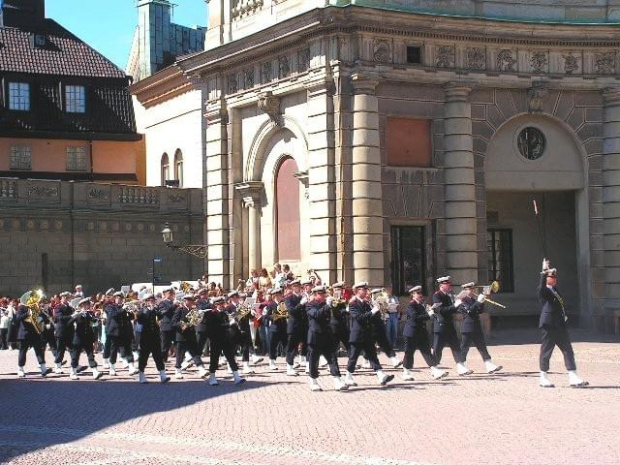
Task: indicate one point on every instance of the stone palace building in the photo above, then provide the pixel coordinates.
(398, 141)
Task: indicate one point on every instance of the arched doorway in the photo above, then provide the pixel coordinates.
(287, 190)
(535, 158)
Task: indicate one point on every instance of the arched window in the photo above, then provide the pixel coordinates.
(165, 169)
(287, 211)
(178, 167)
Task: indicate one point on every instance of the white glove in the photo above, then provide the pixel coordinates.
(436, 306)
(84, 313)
(482, 298)
(329, 301)
(457, 303)
(232, 322)
(374, 310)
(304, 301)
(431, 312)
(545, 264)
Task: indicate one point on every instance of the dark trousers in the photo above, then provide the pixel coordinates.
(137, 336)
(26, 344)
(314, 354)
(244, 341)
(88, 349)
(218, 347)
(167, 338)
(477, 338)
(150, 346)
(551, 337)
(189, 345)
(292, 343)
(370, 352)
(449, 338)
(339, 334)
(276, 338)
(418, 342)
(380, 335)
(62, 344)
(3, 338)
(201, 341)
(48, 339)
(122, 344)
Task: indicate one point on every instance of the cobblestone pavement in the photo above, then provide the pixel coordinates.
(275, 419)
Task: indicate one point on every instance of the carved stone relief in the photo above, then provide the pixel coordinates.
(284, 66)
(605, 62)
(233, 86)
(475, 58)
(267, 69)
(248, 78)
(571, 63)
(505, 61)
(270, 104)
(303, 60)
(539, 61)
(445, 57)
(381, 51)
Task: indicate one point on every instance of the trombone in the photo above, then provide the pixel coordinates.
(491, 289)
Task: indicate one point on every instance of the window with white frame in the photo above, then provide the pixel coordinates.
(19, 96)
(76, 159)
(21, 157)
(75, 99)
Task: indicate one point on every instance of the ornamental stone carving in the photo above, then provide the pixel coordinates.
(536, 96)
(233, 86)
(539, 61)
(475, 58)
(571, 63)
(248, 78)
(381, 51)
(303, 60)
(267, 69)
(605, 62)
(505, 61)
(445, 57)
(270, 104)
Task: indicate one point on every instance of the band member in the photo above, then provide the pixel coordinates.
(471, 307)
(320, 340)
(118, 319)
(277, 326)
(244, 337)
(166, 311)
(338, 319)
(150, 341)
(186, 337)
(28, 336)
(443, 325)
(379, 331)
(361, 339)
(83, 338)
(416, 336)
(202, 305)
(296, 329)
(553, 328)
(63, 330)
(218, 324)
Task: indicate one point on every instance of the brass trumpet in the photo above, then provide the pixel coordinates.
(280, 312)
(491, 289)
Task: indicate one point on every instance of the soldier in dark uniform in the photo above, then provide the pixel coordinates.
(416, 336)
(83, 339)
(553, 328)
(362, 314)
(28, 336)
(471, 307)
(443, 325)
(296, 329)
(277, 327)
(244, 338)
(107, 347)
(63, 330)
(186, 337)
(320, 340)
(379, 334)
(118, 318)
(338, 319)
(150, 340)
(165, 310)
(218, 324)
(202, 305)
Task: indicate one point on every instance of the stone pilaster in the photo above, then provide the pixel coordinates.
(460, 193)
(611, 197)
(216, 185)
(251, 193)
(321, 177)
(366, 189)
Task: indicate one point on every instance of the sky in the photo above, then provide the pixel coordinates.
(108, 25)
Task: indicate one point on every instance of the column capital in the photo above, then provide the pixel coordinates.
(363, 85)
(457, 91)
(216, 112)
(251, 192)
(611, 96)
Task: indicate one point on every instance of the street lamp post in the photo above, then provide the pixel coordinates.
(199, 251)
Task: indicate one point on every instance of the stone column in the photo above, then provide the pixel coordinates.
(252, 192)
(460, 192)
(366, 188)
(216, 185)
(611, 197)
(320, 180)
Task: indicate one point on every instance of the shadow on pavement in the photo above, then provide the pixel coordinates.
(59, 411)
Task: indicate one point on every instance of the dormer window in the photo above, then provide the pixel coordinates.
(75, 99)
(19, 96)
(38, 40)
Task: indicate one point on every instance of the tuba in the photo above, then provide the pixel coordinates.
(243, 312)
(31, 299)
(382, 301)
(192, 319)
(281, 312)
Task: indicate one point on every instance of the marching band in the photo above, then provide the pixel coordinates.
(305, 319)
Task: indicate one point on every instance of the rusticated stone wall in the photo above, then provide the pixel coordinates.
(58, 234)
